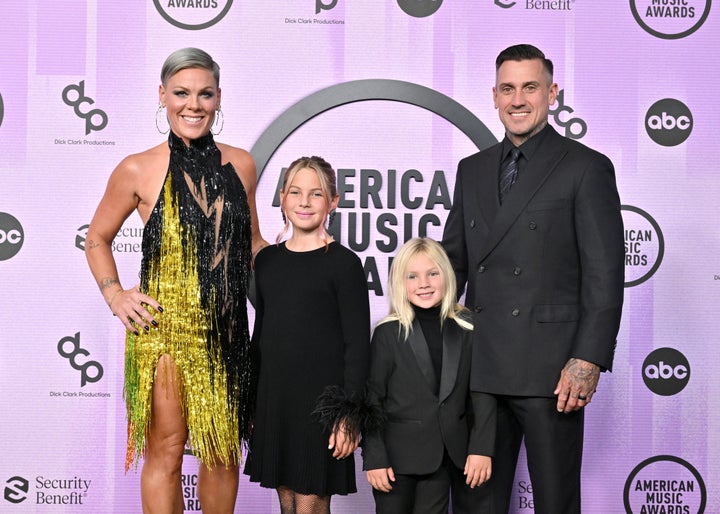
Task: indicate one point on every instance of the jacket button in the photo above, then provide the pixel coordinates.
(481, 268)
(517, 271)
(472, 223)
(516, 312)
(478, 308)
(532, 225)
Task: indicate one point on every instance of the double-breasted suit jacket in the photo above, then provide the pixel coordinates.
(421, 424)
(544, 270)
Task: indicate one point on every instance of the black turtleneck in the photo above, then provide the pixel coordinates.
(430, 323)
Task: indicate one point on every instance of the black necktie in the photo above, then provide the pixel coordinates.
(508, 175)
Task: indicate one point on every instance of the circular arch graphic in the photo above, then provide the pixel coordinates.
(187, 26)
(647, 28)
(365, 90)
(661, 244)
(660, 458)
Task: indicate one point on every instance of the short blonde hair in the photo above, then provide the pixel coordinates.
(401, 309)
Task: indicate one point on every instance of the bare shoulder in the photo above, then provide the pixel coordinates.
(140, 164)
(242, 161)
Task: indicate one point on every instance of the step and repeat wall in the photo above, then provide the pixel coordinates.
(392, 93)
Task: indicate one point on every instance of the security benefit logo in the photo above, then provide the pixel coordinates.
(644, 245)
(665, 484)
(12, 236)
(193, 14)
(47, 490)
(128, 240)
(666, 371)
(670, 19)
(668, 122)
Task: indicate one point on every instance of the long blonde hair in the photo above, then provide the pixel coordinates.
(401, 310)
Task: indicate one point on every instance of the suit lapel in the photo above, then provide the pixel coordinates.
(422, 354)
(487, 187)
(452, 348)
(537, 171)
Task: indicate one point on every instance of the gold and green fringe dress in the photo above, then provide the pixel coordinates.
(196, 263)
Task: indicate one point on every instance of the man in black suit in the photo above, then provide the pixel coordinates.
(536, 233)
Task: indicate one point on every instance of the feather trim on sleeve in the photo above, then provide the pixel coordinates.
(335, 405)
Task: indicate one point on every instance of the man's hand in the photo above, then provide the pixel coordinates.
(577, 384)
(380, 479)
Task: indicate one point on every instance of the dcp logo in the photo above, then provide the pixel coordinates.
(71, 356)
(79, 91)
(575, 128)
(666, 371)
(420, 8)
(16, 489)
(668, 122)
(2, 110)
(11, 236)
(505, 4)
(322, 6)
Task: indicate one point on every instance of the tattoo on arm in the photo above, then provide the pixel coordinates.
(107, 282)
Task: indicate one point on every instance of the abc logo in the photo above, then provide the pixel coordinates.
(11, 236)
(668, 122)
(666, 371)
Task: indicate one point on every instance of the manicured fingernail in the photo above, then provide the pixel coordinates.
(147, 328)
(154, 323)
(160, 308)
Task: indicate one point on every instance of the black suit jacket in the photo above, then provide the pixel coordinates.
(544, 271)
(421, 424)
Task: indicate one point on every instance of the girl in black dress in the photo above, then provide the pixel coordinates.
(311, 341)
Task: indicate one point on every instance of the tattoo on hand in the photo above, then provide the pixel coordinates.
(583, 375)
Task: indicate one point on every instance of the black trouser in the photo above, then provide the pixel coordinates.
(430, 494)
(553, 443)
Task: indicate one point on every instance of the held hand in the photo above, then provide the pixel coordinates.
(478, 469)
(577, 384)
(131, 308)
(380, 479)
(342, 442)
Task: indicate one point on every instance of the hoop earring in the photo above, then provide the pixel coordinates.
(157, 123)
(219, 118)
(331, 218)
(284, 218)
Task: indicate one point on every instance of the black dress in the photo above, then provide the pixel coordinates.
(312, 330)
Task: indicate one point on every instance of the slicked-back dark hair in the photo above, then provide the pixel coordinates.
(524, 53)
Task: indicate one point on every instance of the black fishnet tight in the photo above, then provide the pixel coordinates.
(296, 503)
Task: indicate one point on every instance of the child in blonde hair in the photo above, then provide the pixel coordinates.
(312, 341)
(432, 444)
